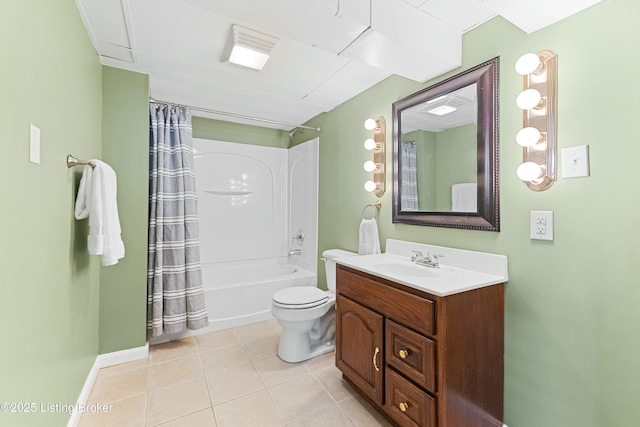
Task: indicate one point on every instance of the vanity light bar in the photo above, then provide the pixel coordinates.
(377, 166)
(538, 101)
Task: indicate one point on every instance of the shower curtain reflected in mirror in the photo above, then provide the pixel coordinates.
(175, 299)
(409, 198)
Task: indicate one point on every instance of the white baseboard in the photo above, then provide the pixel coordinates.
(104, 361)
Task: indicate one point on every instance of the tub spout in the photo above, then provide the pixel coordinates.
(295, 252)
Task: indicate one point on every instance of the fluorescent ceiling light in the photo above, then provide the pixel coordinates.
(248, 48)
(439, 98)
(442, 110)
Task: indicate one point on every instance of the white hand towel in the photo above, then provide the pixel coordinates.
(369, 239)
(464, 197)
(96, 200)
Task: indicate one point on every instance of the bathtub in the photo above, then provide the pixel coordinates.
(239, 293)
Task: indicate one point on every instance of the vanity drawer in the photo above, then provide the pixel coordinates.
(411, 353)
(407, 404)
(404, 307)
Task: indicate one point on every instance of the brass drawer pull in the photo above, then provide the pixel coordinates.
(403, 406)
(375, 357)
(403, 353)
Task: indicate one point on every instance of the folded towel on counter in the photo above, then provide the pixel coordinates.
(369, 239)
(464, 197)
(96, 200)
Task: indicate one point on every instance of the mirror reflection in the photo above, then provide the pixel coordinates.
(439, 153)
(445, 152)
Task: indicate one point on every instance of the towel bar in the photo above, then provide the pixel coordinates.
(72, 161)
(377, 205)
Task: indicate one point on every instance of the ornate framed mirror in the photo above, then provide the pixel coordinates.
(445, 152)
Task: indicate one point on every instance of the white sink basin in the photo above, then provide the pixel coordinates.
(459, 271)
(409, 270)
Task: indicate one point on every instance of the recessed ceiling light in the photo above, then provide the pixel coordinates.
(248, 48)
(442, 110)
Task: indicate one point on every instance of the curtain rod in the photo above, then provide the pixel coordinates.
(239, 116)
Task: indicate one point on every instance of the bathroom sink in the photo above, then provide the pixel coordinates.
(460, 270)
(410, 270)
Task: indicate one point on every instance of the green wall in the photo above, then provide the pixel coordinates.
(234, 132)
(572, 348)
(50, 77)
(125, 146)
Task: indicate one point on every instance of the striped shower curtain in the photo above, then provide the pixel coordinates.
(175, 298)
(409, 198)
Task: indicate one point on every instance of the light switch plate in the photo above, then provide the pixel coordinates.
(541, 225)
(34, 144)
(575, 161)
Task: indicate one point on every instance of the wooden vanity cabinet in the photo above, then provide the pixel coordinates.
(422, 359)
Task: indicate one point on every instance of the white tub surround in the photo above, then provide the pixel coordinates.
(460, 270)
(251, 201)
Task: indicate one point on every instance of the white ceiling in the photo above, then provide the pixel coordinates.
(328, 50)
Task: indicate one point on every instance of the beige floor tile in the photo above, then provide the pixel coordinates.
(254, 331)
(232, 383)
(125, 367)
(321, 362)
(332, 416)
(177, 400)
(129, 412)
(274, 370)
(362, 414)
(216, 339)
(174, 371)
(300, 397)
(275, 325)
(262, 348)
(223, 358)
(109, 388)
(254, 410)
(331, 379)
(172, 350)
(202, 418)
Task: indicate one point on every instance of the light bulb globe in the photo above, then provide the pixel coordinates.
(528, 136)
(369, 166)
(529, 171)
(527, 64)
(370, 186)
(369, 144)
(528, 99)
(370, 124)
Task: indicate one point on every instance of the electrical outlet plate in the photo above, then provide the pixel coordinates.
(541, 225)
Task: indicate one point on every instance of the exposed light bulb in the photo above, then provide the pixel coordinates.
(528, 63)
(370, 124)
(528, 99)
(370, 186)
(369, 144)
(529, 171)
(528, 136)
(369, 166)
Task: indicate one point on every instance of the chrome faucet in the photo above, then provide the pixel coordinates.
(427, 260)
(295, 252)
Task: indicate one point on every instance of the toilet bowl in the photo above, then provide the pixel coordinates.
(307, 315)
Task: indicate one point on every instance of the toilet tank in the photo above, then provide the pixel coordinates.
(329, 257)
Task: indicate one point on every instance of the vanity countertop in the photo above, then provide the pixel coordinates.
(460, 270)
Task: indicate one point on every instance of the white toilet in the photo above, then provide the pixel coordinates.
(307, 315)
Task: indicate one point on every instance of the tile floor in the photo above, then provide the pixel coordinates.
(229, 378)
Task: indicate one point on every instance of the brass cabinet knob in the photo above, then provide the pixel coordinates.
(403, 406)
(403, 353)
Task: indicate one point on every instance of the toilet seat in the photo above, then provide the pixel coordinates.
(300, 297)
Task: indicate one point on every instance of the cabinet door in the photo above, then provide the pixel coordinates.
(359, 353)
